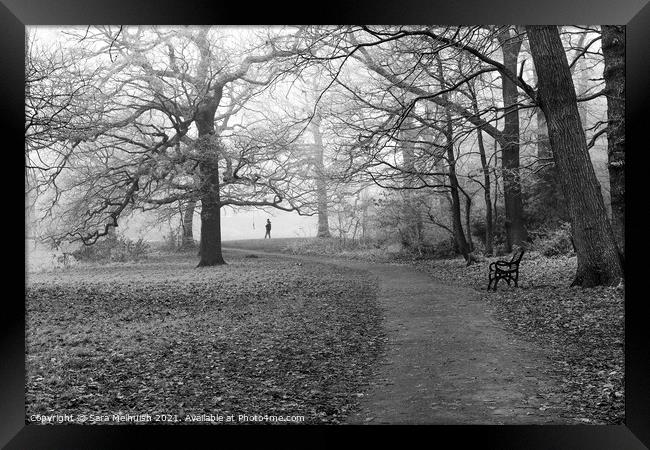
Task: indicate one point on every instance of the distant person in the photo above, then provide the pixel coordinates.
(268, 229)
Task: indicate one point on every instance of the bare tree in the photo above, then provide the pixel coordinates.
(487, 184)
(321, 178)
(475, 42)
(510, 41)
(598, 257)
(166, 96)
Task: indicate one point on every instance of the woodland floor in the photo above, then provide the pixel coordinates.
(579, 331)
(336, 340)
(258, 336)
(449, 361)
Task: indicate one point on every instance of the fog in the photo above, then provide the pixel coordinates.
(236, 225)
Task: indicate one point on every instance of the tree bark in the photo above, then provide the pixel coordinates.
(613, 44)
(581, 84)
(495, 207)
(487, 193)
(210, 250)
(187, 241)
(598, 257)
(515, 229)
(210, 246)
(543, 144)
(321, 181)
(456, 218)
(487, 189)
(468, 222)
(410, 209)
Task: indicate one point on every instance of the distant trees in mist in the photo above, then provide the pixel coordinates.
(479, 132)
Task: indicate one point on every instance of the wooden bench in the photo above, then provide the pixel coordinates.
(505, 270)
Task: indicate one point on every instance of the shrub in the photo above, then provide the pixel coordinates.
(478, 228)
(499, 230)
(445, 248)
(545, 205)
(129, 250)
(113, 248)
(479, 247)
(555, 242)
(500, 249)
(171, 241)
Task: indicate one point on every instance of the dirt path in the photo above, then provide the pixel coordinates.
(447, 360)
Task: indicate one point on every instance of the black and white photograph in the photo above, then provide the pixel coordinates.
(330, 225)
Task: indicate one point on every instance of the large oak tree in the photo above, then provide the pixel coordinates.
(158, 135)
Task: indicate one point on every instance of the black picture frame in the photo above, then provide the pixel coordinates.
(15, 14)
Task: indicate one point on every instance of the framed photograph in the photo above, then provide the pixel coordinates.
(412, 217)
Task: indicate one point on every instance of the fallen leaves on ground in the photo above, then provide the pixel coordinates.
(258, 336)
(582, 328)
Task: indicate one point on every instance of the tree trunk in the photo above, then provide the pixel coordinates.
(210, 246)
(581, 83)
(364, 219)
(456, 219)
(495, 208)
(613, 42)
(543, 144)
(410, 208)
(489, 230)
(210, 250)
(459, 234)
(187, 241)
(468, 222)
(321, 181)
(487, 193)
(516, 232)
(598, 257)
(547, 183)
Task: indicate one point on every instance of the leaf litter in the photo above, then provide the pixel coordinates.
(582, 329)
(257, 336)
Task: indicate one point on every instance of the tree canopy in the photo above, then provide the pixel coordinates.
(121, 120)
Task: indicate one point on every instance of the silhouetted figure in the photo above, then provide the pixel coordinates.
(268, 229)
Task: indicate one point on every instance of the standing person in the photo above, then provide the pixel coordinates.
(268, 229)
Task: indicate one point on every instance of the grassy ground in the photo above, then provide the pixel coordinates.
(268, 245)
(316, 247)
(258, 336)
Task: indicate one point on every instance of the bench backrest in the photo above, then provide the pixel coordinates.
(517, 255)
